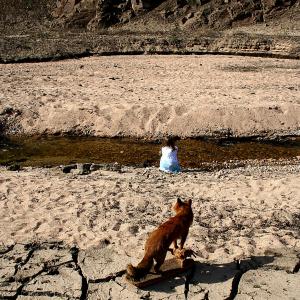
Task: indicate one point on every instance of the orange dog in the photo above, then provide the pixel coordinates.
(159, 241)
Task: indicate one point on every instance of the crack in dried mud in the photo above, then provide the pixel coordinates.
(25, 282)
(297, 268)
(8, 249)
(108, 278)
(242, 266)
(237, 278)
(84, 281)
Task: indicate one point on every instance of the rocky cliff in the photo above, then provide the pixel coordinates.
(190, 14)
(146, 15)
(47, 29)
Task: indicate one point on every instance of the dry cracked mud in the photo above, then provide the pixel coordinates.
(52, 270)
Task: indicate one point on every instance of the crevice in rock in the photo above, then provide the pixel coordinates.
(206, 296)
(25, 281)
(50, 269)
(242, 269)
(47, 268)
(43, 293)
(84, 281)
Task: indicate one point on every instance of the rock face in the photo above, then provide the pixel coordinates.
(138, 5)
(110, 12)
(219, 14)
(142, 15)
(94, 14)
(75, 13)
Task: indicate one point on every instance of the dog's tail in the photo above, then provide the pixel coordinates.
(141, 270)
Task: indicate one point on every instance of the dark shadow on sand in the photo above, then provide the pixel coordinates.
(211, 273)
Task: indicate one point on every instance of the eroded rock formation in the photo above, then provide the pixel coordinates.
(161, 14)
(95, 14)
(47, 29)
(219, 14)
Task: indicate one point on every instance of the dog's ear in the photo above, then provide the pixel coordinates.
(190, 202)
(179, 202)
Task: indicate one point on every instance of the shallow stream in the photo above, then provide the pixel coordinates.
(193, 153)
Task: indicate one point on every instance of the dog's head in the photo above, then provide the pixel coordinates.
(183, 206)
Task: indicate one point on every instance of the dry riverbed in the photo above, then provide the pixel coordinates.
(152, 96)
(240, 213)
(70, 236)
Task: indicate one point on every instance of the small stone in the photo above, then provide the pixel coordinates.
(133, 229)
(83, 169)
(95, 167)
(68, 168)
(14, 167)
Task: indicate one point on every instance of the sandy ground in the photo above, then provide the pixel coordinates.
(153, 96)
(237, 213)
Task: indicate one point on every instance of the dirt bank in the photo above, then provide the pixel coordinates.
(152, 96)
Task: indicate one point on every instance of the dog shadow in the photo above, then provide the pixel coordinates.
(206, 273)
